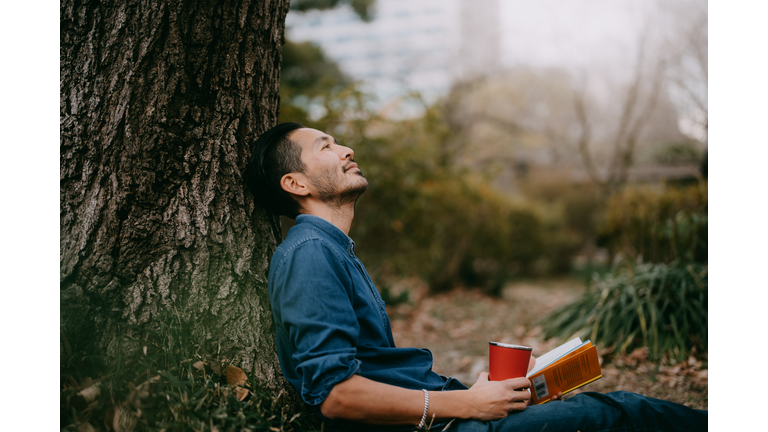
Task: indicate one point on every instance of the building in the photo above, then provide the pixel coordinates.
(410, 45)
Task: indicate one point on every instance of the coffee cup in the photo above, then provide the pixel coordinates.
(507, 361)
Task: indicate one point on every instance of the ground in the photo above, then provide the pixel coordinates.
(457, 326)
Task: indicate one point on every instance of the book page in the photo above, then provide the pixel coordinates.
(550, 357)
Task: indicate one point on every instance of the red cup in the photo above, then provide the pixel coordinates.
(507, 361)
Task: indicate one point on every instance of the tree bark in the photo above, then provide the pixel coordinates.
(159, 103)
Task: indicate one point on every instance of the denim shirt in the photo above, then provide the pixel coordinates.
(331, 321)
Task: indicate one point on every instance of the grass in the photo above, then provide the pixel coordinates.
(165, 385)
(662, 307)
(172, 387)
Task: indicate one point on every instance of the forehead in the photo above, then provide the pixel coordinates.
(310, 138)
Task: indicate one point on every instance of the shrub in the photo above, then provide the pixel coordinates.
(660, 306)
(572, 213)
(661, 224)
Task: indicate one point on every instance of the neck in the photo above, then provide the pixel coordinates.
(340, 216)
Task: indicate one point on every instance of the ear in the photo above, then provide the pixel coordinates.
(295, 183)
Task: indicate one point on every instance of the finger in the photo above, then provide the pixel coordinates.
(518, 406)
(519, 383)
(483, 376)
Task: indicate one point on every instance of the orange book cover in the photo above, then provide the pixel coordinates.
(574, 370)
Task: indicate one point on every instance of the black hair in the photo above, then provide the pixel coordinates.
(274, 155)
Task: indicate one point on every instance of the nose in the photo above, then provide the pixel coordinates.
(346, 152)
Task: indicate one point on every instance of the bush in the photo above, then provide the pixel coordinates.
(661, 224)
(572, 214)
(425, 216)
(662, 307)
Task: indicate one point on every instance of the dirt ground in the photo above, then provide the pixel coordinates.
(457, 326)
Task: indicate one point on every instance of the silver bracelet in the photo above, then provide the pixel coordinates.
(426, 408)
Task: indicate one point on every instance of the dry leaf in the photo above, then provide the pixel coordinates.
(199, 365)
(116, 420)
(235, 376)
(90, 394)
(217, 368)
(241, 393)
(86, 427)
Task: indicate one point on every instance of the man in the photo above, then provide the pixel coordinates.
(334, 339)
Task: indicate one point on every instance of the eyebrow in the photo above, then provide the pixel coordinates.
(325, 138)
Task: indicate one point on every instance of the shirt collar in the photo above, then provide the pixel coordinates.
(330, 229)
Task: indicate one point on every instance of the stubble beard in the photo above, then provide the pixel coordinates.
(338, 195)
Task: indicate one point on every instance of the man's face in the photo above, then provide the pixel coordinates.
(333, 174)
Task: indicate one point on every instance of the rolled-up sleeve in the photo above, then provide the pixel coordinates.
(312, 299)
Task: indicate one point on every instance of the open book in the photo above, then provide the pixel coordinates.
(565, 368)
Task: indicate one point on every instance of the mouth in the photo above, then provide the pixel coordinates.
(351, 166)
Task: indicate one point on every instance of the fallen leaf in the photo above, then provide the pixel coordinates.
(199, 365)
(116, 420)
(235, 376)
(90, 394)
(241, 393)
(86, 427)
(217, 368)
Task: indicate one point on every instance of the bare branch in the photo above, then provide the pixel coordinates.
(585, 137)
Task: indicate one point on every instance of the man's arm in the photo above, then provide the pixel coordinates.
(366, 401)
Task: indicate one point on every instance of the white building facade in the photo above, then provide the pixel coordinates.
(422, 45)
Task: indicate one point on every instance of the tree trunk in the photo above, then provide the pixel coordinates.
(159, 103)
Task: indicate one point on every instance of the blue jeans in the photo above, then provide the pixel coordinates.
(595, 412)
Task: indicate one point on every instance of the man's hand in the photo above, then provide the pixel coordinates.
(493, 400)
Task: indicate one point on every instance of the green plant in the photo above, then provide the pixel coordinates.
(166, 385)
(660, 224)
(662, 307)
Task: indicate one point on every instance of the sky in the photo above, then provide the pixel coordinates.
(572, 33)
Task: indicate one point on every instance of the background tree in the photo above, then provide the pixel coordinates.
(159, 102)
(363, 8)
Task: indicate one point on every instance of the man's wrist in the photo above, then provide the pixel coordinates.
(451, 404)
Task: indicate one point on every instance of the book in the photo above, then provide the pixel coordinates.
(566, 368)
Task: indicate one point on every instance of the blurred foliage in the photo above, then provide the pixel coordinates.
(660, 224)
(168, 386)
(575, 213)
(679, 153)
(659, 306)
(428, 215)
(308, 79)
(363, 8)
(424, 215)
